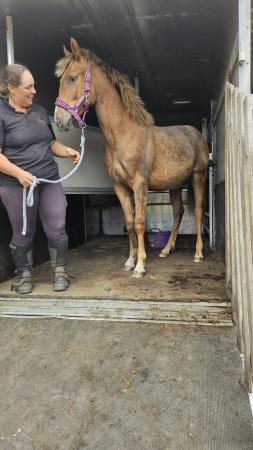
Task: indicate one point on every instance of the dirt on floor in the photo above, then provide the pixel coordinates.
(96, 271)
(77, 385)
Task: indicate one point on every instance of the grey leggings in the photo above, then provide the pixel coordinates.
(49, 203)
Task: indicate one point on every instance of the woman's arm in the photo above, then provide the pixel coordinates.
(24, 177)
(62, 151)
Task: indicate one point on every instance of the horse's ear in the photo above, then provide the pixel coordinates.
(66, 52)
(75, 48)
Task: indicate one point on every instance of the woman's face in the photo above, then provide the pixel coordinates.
(23, 94)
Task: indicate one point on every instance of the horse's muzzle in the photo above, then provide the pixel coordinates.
(63, 121)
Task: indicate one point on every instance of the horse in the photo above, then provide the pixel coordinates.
(139, 155)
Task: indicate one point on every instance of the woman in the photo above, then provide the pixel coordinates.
(27, 148)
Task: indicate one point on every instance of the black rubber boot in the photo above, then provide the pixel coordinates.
(58, 251)
(23, 260)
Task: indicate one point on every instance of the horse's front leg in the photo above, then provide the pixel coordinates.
(140, 195)
(125, 197)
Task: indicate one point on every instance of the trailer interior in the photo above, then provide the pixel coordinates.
(149, 363)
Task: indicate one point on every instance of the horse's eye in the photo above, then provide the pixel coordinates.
(72, 78)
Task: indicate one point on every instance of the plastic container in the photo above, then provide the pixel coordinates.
(156, 238)
(113, 221)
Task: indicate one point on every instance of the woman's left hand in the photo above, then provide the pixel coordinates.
(74, 155)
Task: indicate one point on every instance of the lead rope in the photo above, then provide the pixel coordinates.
(28, 198)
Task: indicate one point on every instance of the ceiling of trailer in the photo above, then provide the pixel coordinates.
(176, 48)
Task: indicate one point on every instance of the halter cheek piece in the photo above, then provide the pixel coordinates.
(73, 110)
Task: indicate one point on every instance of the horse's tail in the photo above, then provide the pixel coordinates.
(190, 199)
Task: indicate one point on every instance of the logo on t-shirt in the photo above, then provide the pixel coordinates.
(42, 121)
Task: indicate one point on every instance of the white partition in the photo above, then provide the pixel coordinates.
(92, 176)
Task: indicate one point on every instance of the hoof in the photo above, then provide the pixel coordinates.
(138, 274)
(128, 268)
(198, 259)
(163, 255)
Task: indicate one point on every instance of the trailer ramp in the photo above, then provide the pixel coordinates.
(174, 290)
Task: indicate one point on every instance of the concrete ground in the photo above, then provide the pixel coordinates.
(72, 385)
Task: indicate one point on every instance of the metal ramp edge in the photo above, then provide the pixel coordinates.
(201, 313)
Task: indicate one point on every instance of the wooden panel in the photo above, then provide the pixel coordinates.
(239, 218)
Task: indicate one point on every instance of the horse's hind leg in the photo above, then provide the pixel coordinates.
(178, 211)
(125, 198)
(199, 188)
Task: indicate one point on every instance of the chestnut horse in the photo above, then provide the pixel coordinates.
(139, 155)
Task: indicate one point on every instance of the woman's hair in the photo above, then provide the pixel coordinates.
(11, 74)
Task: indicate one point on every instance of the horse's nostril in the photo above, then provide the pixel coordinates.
(59, 123)
(69, 124)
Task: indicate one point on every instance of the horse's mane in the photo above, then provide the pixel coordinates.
(133, 104)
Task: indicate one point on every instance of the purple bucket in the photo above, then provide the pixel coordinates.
(156, 238)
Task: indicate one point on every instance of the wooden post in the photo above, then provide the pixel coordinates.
(239, 218)
(248, 233)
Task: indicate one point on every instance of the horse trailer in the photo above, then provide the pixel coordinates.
(190, 63)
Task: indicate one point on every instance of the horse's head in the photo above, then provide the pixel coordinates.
(72, 70)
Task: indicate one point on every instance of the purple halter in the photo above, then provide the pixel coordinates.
(83, 99)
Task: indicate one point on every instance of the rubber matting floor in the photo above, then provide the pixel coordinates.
(96, 271)
(77, 385)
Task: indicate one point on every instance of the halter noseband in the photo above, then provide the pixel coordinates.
(83, 99)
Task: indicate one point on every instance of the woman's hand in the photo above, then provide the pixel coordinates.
(25, 178)
(62, 151)
(74, 155)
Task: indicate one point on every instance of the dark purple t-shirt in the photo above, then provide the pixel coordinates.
(25, 140)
